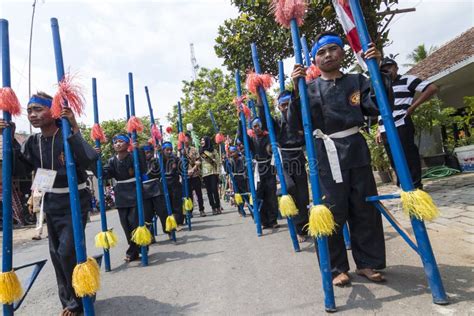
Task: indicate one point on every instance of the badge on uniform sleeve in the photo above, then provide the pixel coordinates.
(354, 99)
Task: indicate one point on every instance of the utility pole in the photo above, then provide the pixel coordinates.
(194, 64)
(29, 54)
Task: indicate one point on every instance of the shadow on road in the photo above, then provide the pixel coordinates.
(409, 281)
(165, 257)
(139, 305)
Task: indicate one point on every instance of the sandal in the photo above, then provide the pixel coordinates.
(370, 274)
(341, 280)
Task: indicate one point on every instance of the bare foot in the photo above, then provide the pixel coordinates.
(342, 279)
(67, 312)
(301, 238)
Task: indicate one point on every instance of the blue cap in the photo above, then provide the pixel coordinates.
(325, 40)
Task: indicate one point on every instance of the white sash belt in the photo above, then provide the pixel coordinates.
(148, 181)
(332, 151)
(291, 148)
(127, 181)
(81, 186)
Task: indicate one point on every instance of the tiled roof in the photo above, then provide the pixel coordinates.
(455, 51)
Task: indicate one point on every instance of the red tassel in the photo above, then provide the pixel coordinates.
(286, 10)
(155, 132)
(179, 145)
(134, 125)
(250, 132)
(9, 102)
(219, 138)
(69, 95)
(181, 137)
(255, 80)
(169, 129)
(152, 141)
(130, 148)
(312, 73)
(97, 133)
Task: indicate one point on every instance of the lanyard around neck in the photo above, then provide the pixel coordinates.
(52, 150)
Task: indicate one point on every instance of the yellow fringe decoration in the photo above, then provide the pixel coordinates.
(238, 199)
(187, 205)
(86, 278)
(10, 288)
(170, 223)
(287, 206)
(419, 204)
(250, 200)
(142, 236)
(106, 240)
(321, 221)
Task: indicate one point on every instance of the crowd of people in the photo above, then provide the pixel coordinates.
(339, 106)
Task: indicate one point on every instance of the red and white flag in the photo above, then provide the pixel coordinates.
(344, 15)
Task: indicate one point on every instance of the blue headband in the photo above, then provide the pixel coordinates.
(147, 148)
(325, 40)
(232, 148)
(40, 101)
(284, 98)
(122, 138)
(166, 145)
(256, 121)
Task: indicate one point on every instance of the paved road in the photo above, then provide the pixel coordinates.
(222, 267)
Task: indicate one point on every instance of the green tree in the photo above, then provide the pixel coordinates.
(256, 24)
(419, 53)
(112, 128)
(212, 90)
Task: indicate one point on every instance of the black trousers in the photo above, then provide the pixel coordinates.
(157, 206)
(266, 192)
(129, 221)
(297, 183)
(63, 255)
(176, 198)
(212, 187)
(346, 201)
(407, 138)
(196, 186)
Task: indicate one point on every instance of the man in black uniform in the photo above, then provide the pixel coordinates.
(294, 162)
(264, 173)
(338, 103)
(45, 150)
(236, 164)
(173, 172)
(121, 168)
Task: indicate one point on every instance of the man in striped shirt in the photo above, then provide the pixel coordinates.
(405, 103)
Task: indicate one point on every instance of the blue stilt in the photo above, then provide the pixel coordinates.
(7, 242)
(401, 166)
(248, 160)
(324, 261)
(274, 144)
(138, 178)
(184, 161)
(79, 242)
(100, 179)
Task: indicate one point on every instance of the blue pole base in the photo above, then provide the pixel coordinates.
(326, 275)
(173, 236)
(88, 304)
(188, 220)
(144, 253)
(242, 211)
(107, 260)
(7, 310)
(347, 236)
(292, 231)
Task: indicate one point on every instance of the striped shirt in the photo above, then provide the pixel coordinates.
(404, 89)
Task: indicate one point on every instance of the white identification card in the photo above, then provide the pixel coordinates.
(44, 180)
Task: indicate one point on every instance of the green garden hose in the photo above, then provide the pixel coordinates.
(439, 172)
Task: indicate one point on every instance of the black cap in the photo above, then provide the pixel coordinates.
(388, 61)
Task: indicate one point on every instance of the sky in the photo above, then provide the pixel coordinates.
(107, 39)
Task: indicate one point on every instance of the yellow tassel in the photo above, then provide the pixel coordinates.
(86, 278)
(321, 222)
(250, 200)
(238, 199)
(287, 206)
(171, 223)
(106, 240)
(142, 236)
(419, 204)
(187, 205)
(10, 288)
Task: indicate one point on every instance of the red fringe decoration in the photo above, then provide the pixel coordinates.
(169, 129)
(97, 133)
(9, 102)
(181, 137)
(255, 80)
(179, 145)
(69, 95)
(286, 10)
(130, 148)
(227, 148)
(152, 141)
(219, 138)
(250, 132)
(134, 125)
(312, 73)
(239, 103)
(155, 132)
